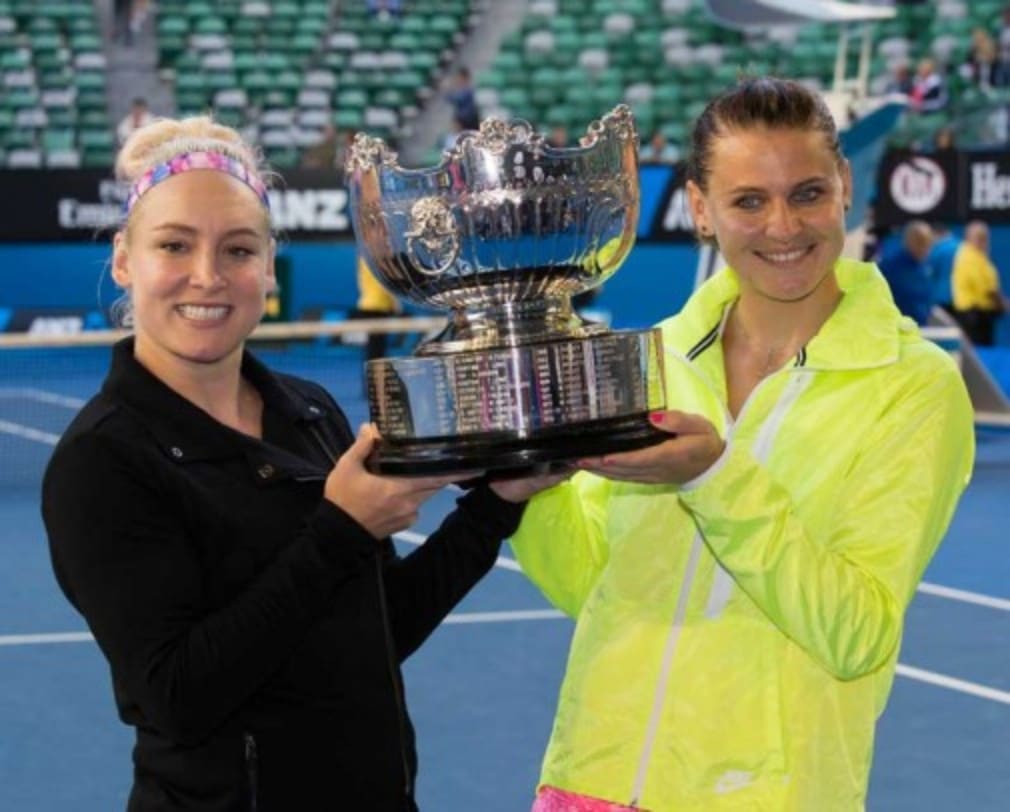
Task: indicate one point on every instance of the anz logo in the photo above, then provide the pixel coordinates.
(678, 215)
(664, 210)
(310, 209)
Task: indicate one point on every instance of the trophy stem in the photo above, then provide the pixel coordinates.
(509, 325)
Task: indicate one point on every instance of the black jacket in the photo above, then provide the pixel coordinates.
(254, 630)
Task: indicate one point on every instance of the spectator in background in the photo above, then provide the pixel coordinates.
(139, 116)
(929, 90)
(658, 150)
(978, 301)
(941, 265)
(122, 18)
(873, 234)
(322, 154)
(903, 264)
(558, 136)
(463, 98)
(374, 302)
(901, 80)
(982, 66)
(943, 140)
(139, 14)
(330, 152)
(1003, 46)
(344, 144)
(449, 140)
(384, 9)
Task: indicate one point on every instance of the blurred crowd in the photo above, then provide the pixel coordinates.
(985, 66)
(933, 272)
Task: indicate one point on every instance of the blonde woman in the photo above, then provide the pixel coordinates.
(215, 524)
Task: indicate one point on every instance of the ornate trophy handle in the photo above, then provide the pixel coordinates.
(433, 226)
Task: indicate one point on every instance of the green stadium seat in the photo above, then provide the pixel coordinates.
(349, 118)
(97, 158)
(83, 41)
(101, 139)
(54, 140)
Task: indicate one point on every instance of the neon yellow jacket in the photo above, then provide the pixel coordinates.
(736, 639)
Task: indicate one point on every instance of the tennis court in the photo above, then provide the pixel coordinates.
(482, 690)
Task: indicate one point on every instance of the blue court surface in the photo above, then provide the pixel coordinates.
(482, 690)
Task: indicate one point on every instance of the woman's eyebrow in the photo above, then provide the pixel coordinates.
(187, 229)
(736, 190)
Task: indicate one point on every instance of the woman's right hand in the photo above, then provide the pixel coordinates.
(693, 447)
(383, 505)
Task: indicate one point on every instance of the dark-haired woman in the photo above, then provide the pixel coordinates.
(739, 589)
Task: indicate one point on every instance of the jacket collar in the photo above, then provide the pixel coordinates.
(183, 430)
(864, 331)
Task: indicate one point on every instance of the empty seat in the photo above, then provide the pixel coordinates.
(24, 159)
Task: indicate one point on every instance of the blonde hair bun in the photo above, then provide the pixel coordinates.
(165, 138)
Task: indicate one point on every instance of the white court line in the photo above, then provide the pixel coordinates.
(963, 595)
(42, 396)
(416, 538)
(504, 617)
(925, 587)
(959, 685)
(910, 672)
(501, 561)
(43, 639)
(28, 433)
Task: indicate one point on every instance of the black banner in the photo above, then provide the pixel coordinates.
(63, 205)
(69, 205)
(912, 186)
(950, 187)
(309, 205)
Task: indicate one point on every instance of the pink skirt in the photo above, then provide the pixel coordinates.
(552, 799)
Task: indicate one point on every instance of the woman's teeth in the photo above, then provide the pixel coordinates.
(203, 312)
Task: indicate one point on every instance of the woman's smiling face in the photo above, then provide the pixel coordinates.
(198, 262)
(775, 202)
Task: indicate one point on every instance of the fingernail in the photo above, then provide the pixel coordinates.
(656, 417)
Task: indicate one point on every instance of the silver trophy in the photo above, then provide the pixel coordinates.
(503, 233)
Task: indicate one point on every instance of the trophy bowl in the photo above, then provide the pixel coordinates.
(502, 234)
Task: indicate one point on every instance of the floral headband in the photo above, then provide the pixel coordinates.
(186, 161)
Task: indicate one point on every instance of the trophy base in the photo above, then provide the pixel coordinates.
(517, 408)
(506, 457)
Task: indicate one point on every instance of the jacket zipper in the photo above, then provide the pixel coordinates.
(792, 391)
(252, 769)
(390, 648)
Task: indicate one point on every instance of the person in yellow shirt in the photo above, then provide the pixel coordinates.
(374, 301)
(978, 301)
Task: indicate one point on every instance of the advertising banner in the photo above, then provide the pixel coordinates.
(308, 206)
(79, 205)
(950, 187)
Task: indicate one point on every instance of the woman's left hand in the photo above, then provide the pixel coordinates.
(693, 447)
